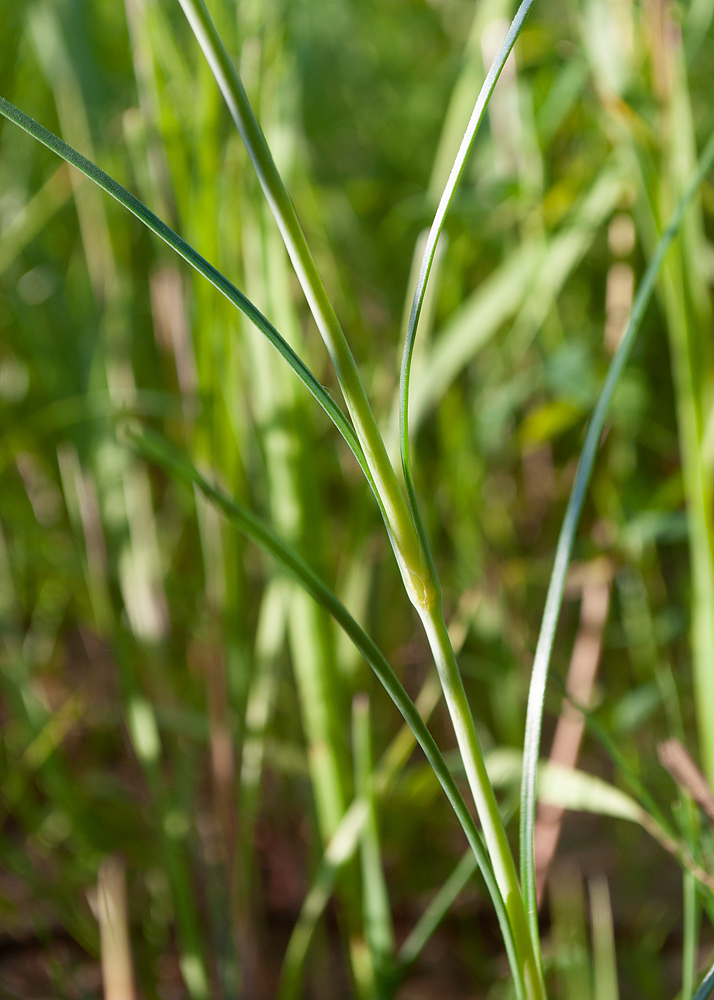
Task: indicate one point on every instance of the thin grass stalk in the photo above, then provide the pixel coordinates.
(432, 242)
(412, 554)
(690, 933)
(270, 638)
(399, 524)
(536, 695)
(685, 288)
(432, 615)
(486, 805)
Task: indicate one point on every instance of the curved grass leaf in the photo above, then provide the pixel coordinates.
(157, 449)
(554, 599)
(428, 259)
(402, 533)
(185, 250)
(413, 558)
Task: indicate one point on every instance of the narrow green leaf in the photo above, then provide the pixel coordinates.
(218, 280)
(402, 533)
(429, 253)
(536, 695)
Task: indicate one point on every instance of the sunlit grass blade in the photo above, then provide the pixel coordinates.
(536, 695)
(685, 289)
(158, 450)
(218, 280)
(394, 507)
(415, 565)
(572, 789)
(429, 253)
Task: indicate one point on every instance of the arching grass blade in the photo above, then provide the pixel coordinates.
(430, 251)
(554, 599)
(185, 250)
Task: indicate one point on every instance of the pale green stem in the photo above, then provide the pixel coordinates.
(432, 614)
(494, 833)
(402, 533)
(419, 578)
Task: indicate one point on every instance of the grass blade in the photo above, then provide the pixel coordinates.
(430, 251)
(218, 280)
(536, 694)
(407, 539)
(401, 530)
(690, 935)
(525, 285)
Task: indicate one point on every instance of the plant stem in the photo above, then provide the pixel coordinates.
(418, 573)
(504, 867)
(402, 533)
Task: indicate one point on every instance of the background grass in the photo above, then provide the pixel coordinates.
(169, 698)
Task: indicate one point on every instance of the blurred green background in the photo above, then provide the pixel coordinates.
(177, 719)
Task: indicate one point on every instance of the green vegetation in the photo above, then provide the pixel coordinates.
(206, 593)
